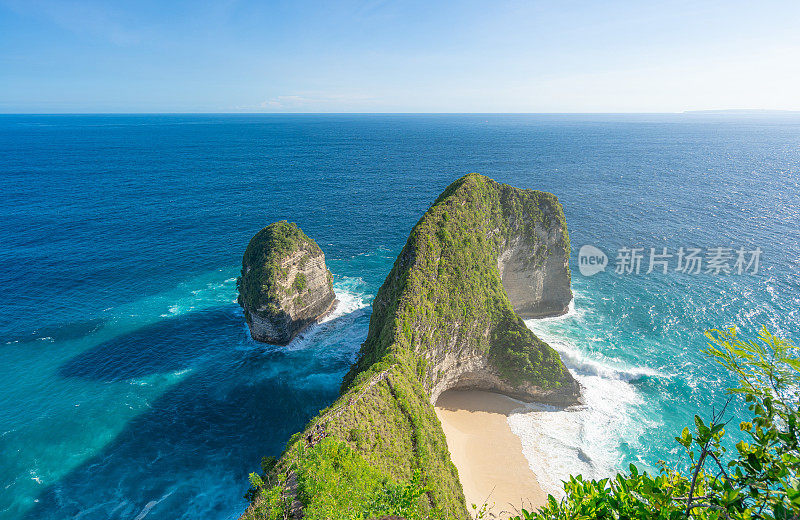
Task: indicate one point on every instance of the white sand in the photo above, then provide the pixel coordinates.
(489, 458)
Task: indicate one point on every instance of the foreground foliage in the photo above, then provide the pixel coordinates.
(759, 480)
(336, 482)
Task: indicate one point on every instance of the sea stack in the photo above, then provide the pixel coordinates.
(285, 285)
(449, 316)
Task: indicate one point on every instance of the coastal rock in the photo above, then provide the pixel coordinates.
(449, 315)
(482, 257)
(285, 285)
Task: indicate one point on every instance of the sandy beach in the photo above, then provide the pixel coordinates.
(489, 458)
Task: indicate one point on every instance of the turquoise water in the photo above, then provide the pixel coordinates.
(132, 390)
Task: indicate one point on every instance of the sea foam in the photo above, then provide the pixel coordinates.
(337, 326)
(585, 439)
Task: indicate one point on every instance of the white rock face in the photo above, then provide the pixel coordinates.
(470, 369)
(537, 287)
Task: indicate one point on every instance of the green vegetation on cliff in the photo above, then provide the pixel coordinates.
(352, 458)
(260, 284)
(380, 449)
(445, 284)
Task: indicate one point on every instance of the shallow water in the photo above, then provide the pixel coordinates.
(132, 389)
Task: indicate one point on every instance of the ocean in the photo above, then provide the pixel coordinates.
(131, 388)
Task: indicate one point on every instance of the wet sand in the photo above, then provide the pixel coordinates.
(489, 458)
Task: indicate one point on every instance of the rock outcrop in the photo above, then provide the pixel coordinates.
(481, 258)
(285, 285)
(449, 315)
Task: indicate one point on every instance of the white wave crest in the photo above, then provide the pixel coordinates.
(350, 298)
(351, 301)
(582, 364)
(150, 505)
(587, 439)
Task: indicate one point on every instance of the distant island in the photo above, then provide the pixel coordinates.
(742, 111)
(447, 317)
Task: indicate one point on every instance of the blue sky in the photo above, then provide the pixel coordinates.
(404, 56)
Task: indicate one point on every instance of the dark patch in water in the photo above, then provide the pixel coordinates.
(165, 346)
(221, 419)
(189, 453)
(583, 457)
(204, 422)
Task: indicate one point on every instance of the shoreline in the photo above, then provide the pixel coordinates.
(488, 455)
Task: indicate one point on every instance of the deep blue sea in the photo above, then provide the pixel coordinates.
(131, 389)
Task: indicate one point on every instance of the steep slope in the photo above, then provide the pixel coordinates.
(442, 319)
(285, 285)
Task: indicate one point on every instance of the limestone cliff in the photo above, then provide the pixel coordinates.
(285, 285)
(447, 316)
(481, 257)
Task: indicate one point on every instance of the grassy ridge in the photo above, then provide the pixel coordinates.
(350, 461)
(380, 449)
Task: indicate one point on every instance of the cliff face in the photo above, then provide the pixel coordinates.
(447, 316)
(285, 285)
(536, 290)
(481, 257)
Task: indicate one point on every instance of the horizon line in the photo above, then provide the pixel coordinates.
(732, 111)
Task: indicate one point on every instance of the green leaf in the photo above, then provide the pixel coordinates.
(702, 429)
(686, 438)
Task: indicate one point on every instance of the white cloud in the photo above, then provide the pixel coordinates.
(313, 102)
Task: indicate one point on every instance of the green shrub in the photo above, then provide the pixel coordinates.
(335, 482)
(300, 282)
